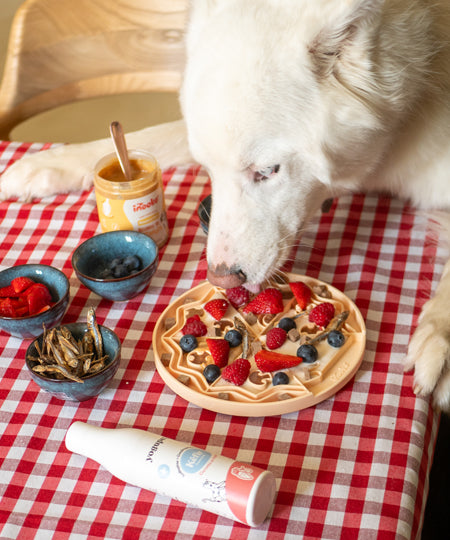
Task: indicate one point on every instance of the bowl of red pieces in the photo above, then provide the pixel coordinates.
(32, 296)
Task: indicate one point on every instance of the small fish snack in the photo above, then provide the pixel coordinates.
(61, 356)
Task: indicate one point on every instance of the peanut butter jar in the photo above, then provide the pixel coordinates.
(131, 205)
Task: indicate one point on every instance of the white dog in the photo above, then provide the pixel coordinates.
(285, 103)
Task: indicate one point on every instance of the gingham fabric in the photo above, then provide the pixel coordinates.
(354, 466)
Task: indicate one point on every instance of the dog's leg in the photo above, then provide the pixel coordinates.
(429, 348)
(69, 167)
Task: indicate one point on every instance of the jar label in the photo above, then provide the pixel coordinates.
(145, 214)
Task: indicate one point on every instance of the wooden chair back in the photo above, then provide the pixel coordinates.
(61, 51)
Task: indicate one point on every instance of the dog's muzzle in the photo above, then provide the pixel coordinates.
(226, 277)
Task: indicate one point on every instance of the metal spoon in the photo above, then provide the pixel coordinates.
(120, 146)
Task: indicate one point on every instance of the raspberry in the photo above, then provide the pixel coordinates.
(194, 326)
(273, 361)
(322, 314)
(237, 372)
(219, 349)
(268, 301)
(275, 337)
(302, 293)
(216, 308)
(238, 296)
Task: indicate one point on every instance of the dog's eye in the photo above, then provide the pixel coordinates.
(264, 174)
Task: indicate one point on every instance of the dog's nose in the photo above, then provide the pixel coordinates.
(226, 277)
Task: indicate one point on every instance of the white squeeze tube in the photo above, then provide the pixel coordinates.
(233, 489)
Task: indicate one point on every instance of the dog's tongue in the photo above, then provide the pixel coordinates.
(254, 288)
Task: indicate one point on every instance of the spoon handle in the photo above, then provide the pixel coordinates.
(120, 145)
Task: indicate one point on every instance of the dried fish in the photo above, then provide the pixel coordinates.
(95, 331)
(57, 369)
(245, 336)
(61, 356)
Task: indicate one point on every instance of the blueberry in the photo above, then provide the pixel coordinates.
(287, 324)
(115, 262)
(336, 338)
(132, 262)
(307, 352)
(188, 342)
(120, 271)
(211, 372)
(233, 337)
(280, 378)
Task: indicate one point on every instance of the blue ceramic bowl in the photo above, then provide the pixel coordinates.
(93, 384)
(92, 259)
(58, 285)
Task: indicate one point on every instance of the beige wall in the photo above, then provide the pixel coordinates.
(90, 119)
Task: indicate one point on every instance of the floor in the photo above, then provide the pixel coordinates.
(90, 120)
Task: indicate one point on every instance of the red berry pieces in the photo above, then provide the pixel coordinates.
(322, 314)
(13, 307)
(238, 296)
(273, 361)
(268, 301)
(21, 283)
(38, 297)
(275, 337)
(219, 349)
(24, 297)
(237, 372)
(194, 326)
(302, 293)
(7, 292)
(216, 308)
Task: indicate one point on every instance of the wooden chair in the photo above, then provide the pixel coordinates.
(61, 51)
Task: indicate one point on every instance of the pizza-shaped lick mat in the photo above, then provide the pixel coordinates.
(308, 383)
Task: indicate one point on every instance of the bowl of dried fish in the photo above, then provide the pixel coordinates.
(74, 362)
(32, 295)
(116, 265)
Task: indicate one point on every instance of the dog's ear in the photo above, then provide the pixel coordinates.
(361, 18)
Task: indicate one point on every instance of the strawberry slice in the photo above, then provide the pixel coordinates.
(7, 292)
(217, 308)
(38, 296)
(7, 308)
(21, 283)
(237, 372)
(268, 301)
(273, 361)
(302, 293)
(219, 349)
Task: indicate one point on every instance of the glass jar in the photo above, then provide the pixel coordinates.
(131, 205)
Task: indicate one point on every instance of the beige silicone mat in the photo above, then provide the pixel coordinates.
(309, 383)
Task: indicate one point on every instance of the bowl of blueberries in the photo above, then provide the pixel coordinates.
(116, 265)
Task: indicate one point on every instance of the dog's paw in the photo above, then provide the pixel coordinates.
(429, 353)
(59, 170)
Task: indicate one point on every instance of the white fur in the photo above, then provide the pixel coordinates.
(341, 94)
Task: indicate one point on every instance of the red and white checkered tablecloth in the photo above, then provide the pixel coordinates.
(354, 466)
